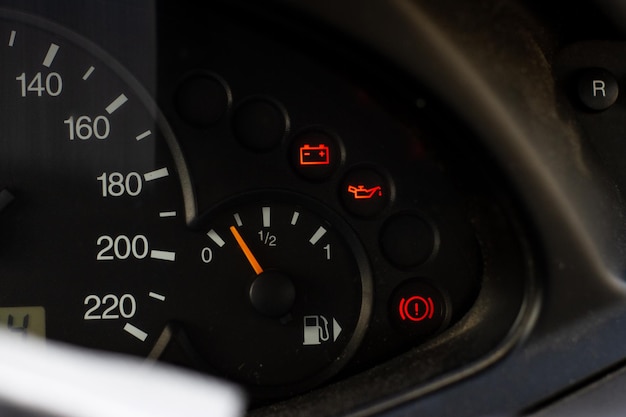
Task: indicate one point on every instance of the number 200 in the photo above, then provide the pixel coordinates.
(122, 247)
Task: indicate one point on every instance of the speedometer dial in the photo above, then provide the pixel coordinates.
(91, 191)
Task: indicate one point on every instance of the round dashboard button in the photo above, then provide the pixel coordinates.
(260, 124)
(202, 99)
(597, 89)
(407, 240)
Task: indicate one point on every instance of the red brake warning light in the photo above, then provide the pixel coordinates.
(416, 308)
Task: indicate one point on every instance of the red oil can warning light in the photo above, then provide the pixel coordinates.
(360, 192)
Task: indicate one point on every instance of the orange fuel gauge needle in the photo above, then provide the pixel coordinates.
(246, 251)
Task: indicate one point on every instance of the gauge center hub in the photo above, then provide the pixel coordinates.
(273, 294)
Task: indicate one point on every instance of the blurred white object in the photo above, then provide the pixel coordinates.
(62, 380)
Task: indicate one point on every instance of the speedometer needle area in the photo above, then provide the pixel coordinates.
(246, 250)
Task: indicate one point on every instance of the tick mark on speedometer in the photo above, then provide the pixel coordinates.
(12, 38)
(52, 53)
(135, 331)
(143, 135)
(116, 104)
(167, 214)
(163, 255)
(156, 174)
(156, 296)
(88, 73)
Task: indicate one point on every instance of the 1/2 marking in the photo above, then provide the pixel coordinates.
(116, 104)
(12, 38)
(156, 174)
(88, 73)
(135, 331)
(163, 255)
(50, 55)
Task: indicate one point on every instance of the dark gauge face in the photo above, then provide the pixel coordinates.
(285, 292)
(91, 194)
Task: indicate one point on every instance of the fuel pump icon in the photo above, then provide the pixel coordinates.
(315, 330)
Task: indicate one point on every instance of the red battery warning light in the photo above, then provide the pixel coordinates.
(314, 155)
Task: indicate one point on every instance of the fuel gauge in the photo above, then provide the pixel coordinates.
(287, 292)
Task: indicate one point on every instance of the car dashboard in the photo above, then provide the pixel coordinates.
(348, 208)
